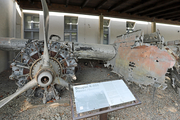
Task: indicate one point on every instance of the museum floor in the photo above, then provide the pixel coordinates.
(165, 104)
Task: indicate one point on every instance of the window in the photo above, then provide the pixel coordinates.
(130, 26)
(31, 26)
(70, 28)
(106, 31)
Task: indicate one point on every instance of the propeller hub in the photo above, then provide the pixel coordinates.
(45, 78)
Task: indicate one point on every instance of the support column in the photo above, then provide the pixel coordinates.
(100, 41)
(153, 27)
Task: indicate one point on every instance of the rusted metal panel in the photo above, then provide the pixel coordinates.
(142, 64)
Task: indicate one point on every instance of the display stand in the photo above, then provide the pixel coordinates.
(88, 100)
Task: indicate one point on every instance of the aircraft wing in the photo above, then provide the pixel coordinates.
(11, 44)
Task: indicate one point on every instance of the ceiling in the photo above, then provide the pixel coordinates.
(161, 11)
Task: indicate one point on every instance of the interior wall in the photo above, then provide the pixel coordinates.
(6, 26)
(169, 32)
(116, 28)
(88, 30)
(145, 27)
(8, 29)
(18, 23)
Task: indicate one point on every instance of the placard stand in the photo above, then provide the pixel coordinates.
(102, 112)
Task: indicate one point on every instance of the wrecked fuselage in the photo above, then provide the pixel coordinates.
(141, 62)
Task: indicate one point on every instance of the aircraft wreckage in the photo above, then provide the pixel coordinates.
(42, 66)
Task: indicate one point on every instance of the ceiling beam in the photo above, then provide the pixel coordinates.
(171, 17)
(158, 5)
(142, 6)
(177, 18)
(126, 9)
(67, 2)
(91, 11)
(167, 13)
(162, 10)
(101, 4)
(84, 4)
(116, 5)
(31, 1)
(48, 2)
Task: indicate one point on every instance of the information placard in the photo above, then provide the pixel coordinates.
(100, 95)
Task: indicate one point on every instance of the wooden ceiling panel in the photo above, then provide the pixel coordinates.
(166, 11)
(92, 3)
(76, 2)
(108, 4)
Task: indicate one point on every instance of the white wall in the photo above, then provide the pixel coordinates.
(145, 26)
(116, 28)
(18, 23)
(6, 25)
(169, 32)
(88, 30)
(7, 29)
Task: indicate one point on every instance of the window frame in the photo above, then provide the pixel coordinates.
(106, 32)
(131, 28)
(70, 31)
(33, 30)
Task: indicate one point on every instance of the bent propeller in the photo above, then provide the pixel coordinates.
(29, 85)
(34, 82)
(46, 28)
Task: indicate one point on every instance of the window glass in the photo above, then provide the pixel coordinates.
(27, 35)
(70, 28)
(106, 31)
(67, 24)
(74, 27)
(66, 36)
(31, 26)
(73, 37)
(27, 22)
(36, 18)
(36, 25)
(106, 22)
(35, 35)
(130, 26)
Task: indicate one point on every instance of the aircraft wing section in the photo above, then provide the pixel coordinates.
(11, 44)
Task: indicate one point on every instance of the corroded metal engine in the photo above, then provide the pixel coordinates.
(28, 62)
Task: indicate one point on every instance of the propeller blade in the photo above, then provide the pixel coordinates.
(60, 81)
(46, 28)
(29, 85)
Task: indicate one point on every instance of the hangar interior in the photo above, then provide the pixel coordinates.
(87, 21)
(88, 17)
